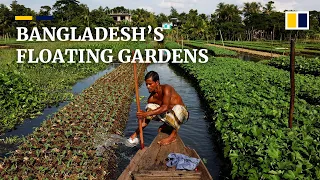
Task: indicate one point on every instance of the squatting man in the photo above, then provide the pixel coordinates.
(164, 104)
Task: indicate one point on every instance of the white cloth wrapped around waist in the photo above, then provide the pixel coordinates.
(173, 117)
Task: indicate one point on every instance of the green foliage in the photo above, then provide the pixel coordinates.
(64, 146)
(17, 96)
(302, 65)
(217, 51)
(260, 21)
(259, 46)
(251, 102)
(26, 89)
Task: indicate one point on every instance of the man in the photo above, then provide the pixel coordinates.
(164, 104)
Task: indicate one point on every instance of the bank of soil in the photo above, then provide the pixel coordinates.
(249, 51)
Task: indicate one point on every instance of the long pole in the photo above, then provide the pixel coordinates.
(138, 103)
(292, 57)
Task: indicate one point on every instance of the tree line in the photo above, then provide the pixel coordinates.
(253, 21)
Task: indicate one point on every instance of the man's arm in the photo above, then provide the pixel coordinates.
(165, 103)
(164, 106)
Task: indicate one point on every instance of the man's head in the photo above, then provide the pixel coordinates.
(152, 81)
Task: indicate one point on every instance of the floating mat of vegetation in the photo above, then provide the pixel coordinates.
(251, 102)
(302, 65)
(26, 89)
(64, 146)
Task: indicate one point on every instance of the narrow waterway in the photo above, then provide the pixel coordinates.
(195, 133)
(28, 125)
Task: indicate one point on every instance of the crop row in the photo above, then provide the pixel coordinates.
(251, 105)
(302, 65)
(275, 47)
(263, 48)
(65, 145)
(252, 117)
(216, 51)
(307, 86)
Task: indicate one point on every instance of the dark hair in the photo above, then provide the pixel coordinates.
(154, 75)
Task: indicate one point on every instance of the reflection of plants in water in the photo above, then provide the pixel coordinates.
(141, 98)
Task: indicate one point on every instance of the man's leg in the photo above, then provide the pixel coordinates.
(174, 119)
(172, 138)
(145, 123)
(164, 125)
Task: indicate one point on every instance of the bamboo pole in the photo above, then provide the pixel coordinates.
(292, 57)
(138, 102)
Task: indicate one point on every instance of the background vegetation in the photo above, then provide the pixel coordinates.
(252, 21)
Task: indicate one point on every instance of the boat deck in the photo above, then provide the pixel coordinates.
(150, 163)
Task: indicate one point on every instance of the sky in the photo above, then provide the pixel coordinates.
(163, 6)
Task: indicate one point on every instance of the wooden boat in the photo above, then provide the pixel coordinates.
(150, 163)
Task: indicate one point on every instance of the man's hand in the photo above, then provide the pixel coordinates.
(142, 114)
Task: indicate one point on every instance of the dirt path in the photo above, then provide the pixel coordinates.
(259, 53)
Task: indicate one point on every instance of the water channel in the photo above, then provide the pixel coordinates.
(28, 125)
(195, 133)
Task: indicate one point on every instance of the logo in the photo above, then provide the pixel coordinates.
(297, 20)
(30, 18)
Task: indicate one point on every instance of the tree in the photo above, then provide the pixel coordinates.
(100, 18)
(19, 10)
(119, 9)
(143, 18)
(4, 20)
(161, 18)
(173, 13)
(228, 20)
(45, 11)
(251, 8)
(65, 11)
(269, 8)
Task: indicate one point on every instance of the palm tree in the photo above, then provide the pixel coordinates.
(269, 8)
(251, 8)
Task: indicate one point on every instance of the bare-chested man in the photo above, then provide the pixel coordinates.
(164, 104)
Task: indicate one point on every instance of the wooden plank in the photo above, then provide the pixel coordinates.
(126, 174)
(201, 167)
(150, 156)
(153, 160)
(164, 151)
(154, 175)
(159, 153)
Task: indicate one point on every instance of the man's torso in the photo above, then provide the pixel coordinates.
(174, 99)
